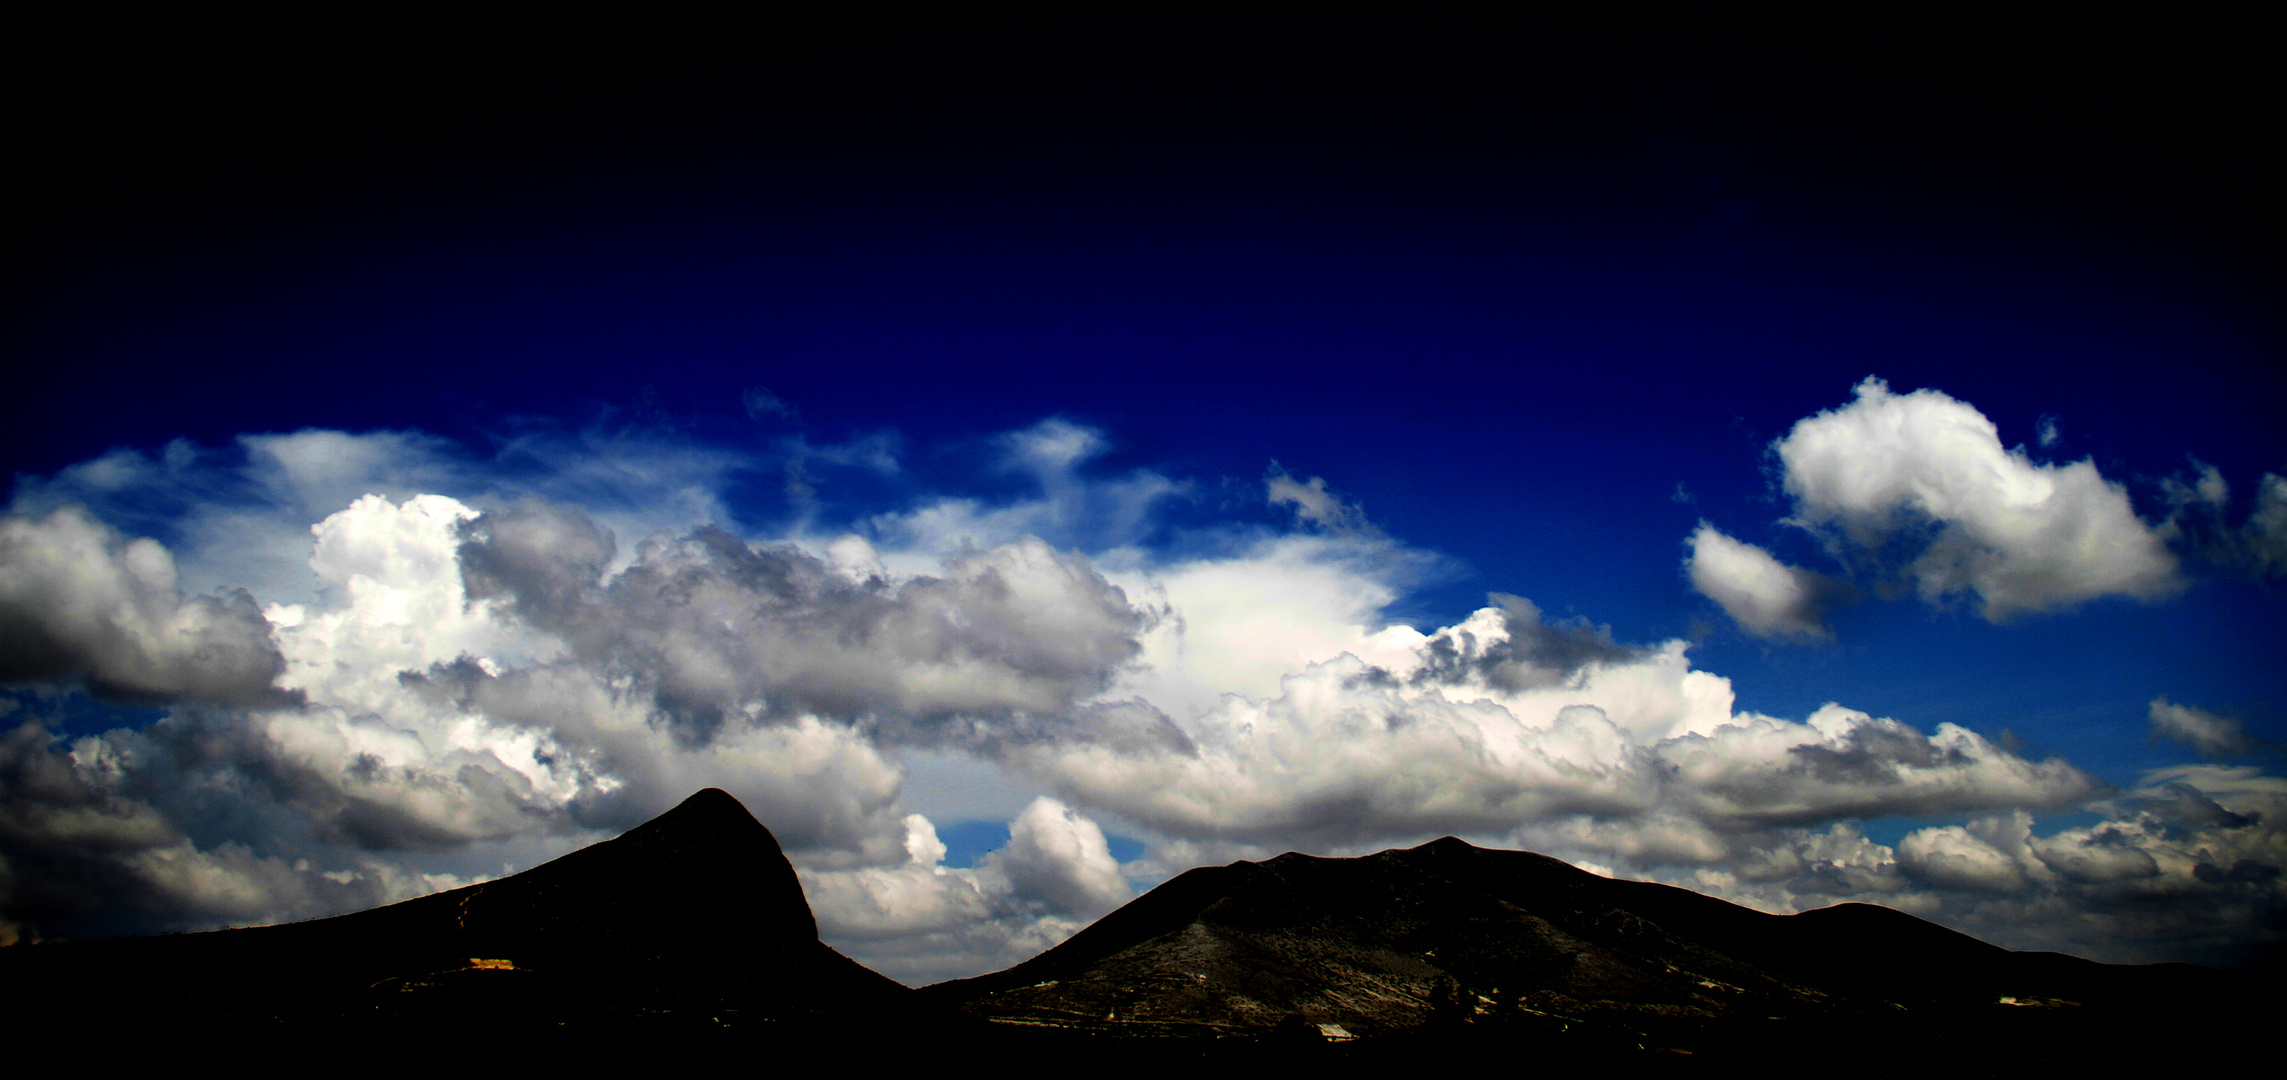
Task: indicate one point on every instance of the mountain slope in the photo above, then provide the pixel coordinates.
(1447, 935)
(695, 925)
(693, 919)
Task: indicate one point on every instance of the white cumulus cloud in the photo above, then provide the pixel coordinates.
(1764, 596)
(1927, 474)
(922, 921)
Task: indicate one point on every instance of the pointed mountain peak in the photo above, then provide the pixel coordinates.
(695, 913)
(709, 817)
(707, 861)
(709, 802)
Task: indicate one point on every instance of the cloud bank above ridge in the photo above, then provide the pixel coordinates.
(495, 671)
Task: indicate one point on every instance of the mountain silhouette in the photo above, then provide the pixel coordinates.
(1447, 941)
(692, 928)
(691, 921)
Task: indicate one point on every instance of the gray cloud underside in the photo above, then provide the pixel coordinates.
(2184, 867)
(715, 625)
(1532, 653)
(80, 602)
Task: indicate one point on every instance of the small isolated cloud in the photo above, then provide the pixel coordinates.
(1072, 509)
(1058, 861)
(2208, 488)
(1766, 597)
(759, 402)
(2256, 547)
(2204, 731)
(1922, 480)
(1053, 448)
(2265, 533)
(1313, 503)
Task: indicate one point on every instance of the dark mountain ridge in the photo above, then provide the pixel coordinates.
(692, 920)
(1459, 941)
(694, 925)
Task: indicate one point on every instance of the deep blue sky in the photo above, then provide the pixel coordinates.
(1505, 353)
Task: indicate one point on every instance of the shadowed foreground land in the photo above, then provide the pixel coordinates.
(693, 929)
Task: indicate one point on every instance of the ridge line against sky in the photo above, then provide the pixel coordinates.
(1800, 475)
(470, 661)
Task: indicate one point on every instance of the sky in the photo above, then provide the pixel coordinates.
(1805, 463)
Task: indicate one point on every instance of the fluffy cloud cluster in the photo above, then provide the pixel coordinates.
(77, 600)
(97, 838)
(1924, 479)
(239, 516)
(1347, 754)
(922, 921)
(472, 688)
(2186, 866)
(469, 681)
(403, 749)
(715, 626)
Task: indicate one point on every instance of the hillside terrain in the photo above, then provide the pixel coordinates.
(1450, 941)
(693, 920)
(693, 926)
